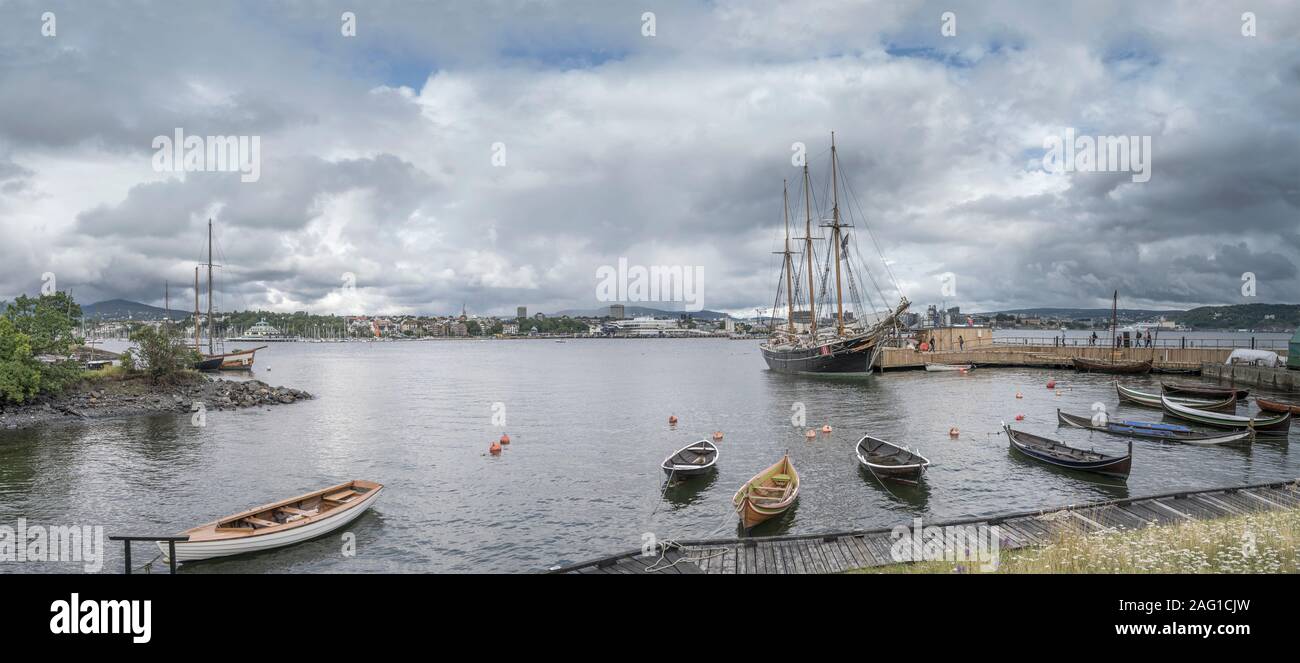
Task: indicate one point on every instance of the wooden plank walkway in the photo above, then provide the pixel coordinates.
(841, 551)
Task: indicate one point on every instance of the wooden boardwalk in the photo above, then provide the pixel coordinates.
(841, 551)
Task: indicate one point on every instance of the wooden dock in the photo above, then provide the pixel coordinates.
(842, 551)
(1050, 356)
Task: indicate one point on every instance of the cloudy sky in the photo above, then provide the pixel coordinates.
(377, 150)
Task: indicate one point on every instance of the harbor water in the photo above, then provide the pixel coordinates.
(588, 422)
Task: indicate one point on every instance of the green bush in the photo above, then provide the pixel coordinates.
(20, 373)
(161, 353)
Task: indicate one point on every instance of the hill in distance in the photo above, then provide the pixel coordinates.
(123, 309)
(639, 312)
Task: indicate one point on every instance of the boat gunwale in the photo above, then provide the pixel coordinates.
(211, 527)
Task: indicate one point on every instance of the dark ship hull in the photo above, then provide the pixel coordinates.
(852, 355)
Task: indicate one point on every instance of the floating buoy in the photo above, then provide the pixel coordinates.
(826, 428)
(963, 371)
(925, 347)
(1059, 392)
(1020, 417)
(1019, 395)
(1051, 384)
(717, 435)
(505, 438)
(953, 432)
(810, 433)
(495, 449)
(672, 418)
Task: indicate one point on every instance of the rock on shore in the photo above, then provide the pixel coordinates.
(118, 398)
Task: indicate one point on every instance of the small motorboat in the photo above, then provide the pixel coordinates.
(278, 524)
(948, 367)
(1154, 430)
(1147, 399)
(1274, 424)
(770, 493)
(1202, 391)
(691, 460)
(886, 460)
(1058, 454)
(1277, 406)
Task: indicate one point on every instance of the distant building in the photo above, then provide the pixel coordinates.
(616, 311)
(539, 316)
(521, 312)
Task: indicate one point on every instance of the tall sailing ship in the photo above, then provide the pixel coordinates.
(848, 341)
(236, 360)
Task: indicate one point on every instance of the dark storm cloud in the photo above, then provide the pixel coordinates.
(377, 150)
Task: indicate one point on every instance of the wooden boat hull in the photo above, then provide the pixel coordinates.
(682, 463)
(1277, 406)
(1198, 391)
(888, 461)
(1054, 453)
(1086, 365)
(753, 509)
(207, 542)
(850, 355)
(208, 363)
(1155, 431)
(936, 368)
(1276, 424)
(1145, 399)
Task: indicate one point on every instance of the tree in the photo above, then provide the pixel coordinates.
(161, 353)
(49, 323)
(20, 373)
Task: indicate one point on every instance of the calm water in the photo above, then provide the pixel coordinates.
(588, 420)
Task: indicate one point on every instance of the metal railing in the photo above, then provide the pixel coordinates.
(171, 548)
(1167, 342)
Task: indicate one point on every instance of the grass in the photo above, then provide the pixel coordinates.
(1258, 543)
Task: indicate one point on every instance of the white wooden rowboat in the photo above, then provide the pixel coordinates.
(949, 367)
(278, 524)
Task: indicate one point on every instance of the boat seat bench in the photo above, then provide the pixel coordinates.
(341, 496)
(259, 522)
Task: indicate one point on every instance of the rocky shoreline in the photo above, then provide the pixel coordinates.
(131, 397)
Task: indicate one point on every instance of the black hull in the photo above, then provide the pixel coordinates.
(850, 356)
(213, 364)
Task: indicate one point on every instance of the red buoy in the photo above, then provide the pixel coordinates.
(505, 438)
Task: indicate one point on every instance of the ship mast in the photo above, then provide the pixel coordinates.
(835, 238)
(196, 310)
(211, 348)
(789, 266)
(808, 254)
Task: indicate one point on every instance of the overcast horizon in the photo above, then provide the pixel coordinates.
(417, 159)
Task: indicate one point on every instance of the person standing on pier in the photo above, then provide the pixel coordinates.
(932, 346)
(1093, 339)
(961, 343)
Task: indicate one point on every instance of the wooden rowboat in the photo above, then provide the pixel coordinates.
(949, 367)
(1061, 455)
(691, 460)
(1277, 423)
(1277, 406)
(1147, 399)
(1086, 365)
(1154, 430)
(278, 524)
(768, 494)
(1202, 391)
(886, 460)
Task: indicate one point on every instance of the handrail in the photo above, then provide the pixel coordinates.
(171, 548)
(1164, 342)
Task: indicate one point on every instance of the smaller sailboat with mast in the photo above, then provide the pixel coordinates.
(1114, 365)
(802, 344)
(237, 360)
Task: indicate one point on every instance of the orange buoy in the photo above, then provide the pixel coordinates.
(810, 433)
(672, 418)
(717, 435)
(505, 438)
(1051, 384)
(495, 449)
(1020, 417)
(953, 432)
(1019, 395)
(925, 347)
(826, 428)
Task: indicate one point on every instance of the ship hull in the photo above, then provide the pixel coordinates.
(845, 356)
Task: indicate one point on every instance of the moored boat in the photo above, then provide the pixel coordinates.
(770, 493)
(948, 367)
(886, 460)
(1055, 453)
(1202, 391)
(1147, 399)
(1277, 406)
(691, 460)
(1085, 365)
(280, 523)
(1154, 430)
(1273, 424)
